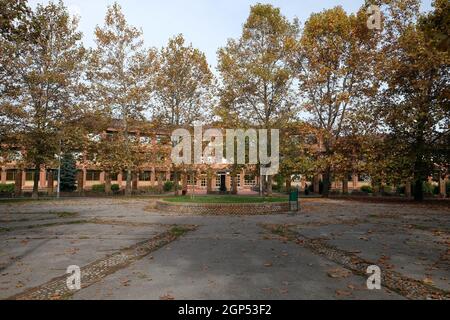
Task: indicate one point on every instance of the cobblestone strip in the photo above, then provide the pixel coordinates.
(56, 289)
(405, 286)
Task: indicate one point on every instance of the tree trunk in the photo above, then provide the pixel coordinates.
(108, 182)
(185, 182)
(442, 187)
(326, 182)
(234, 186)
(316, 184)
(18, 183)
(209, 183)
(50, 183)
(288, 183)
(418, 190)
(160, 183)
(128, 184)
(408, 189)
(420, 176)
(134, 182)
(37, 171)
(269, 185)
(176, 183)
(80, 182)
(345, 186)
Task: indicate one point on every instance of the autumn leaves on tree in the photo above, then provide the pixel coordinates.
(377, 100)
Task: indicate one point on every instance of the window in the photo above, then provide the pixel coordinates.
(92, 175)
(250, 181)
(54, 172)
(29, 175)
(10, 175)
(145, 176)
(218, 181)
(192, 180)
(238, 177)
(203, 182)
(114, 176)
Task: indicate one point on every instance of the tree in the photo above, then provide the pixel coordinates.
(415, 97)
(14, 15)
(68, 173)
(43, 79)
(335, 64)
(183, 88)
(120, 71)
(256, 71)
(183, 84)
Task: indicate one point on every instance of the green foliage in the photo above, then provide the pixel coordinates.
(367, 189)
(401, 189)
(168, 186)
(98, 188)
(115, 188)
(68, 173)
(428, 188)
(7, 188)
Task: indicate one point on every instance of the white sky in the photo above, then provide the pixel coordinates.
(207, 24)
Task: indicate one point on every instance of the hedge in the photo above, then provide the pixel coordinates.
(7, 188)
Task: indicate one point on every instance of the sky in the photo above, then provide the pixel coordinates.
(207, 24)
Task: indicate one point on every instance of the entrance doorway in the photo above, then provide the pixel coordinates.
(221, 182)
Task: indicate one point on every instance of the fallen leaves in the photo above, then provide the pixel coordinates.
(344, 293)
(167, 297)
(125, 282)
(339, 273)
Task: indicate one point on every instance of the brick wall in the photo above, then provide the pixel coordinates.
(223, 209)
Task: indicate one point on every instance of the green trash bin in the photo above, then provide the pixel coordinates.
(293, 200)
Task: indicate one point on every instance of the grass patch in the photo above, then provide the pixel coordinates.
(225, 199)
(178, 231)
(65, 214)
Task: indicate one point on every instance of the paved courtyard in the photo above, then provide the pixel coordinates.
(127, 250)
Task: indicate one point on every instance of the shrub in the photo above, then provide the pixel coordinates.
(7, 188)
(428, 188)
(367, 189)
(99, 188)
(401, 189)
(68, 173)
(168, 186)
(436, 190)
(115, 188)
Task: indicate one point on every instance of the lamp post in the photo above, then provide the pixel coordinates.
(58, 189)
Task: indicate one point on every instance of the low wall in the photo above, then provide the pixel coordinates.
(219, 209)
